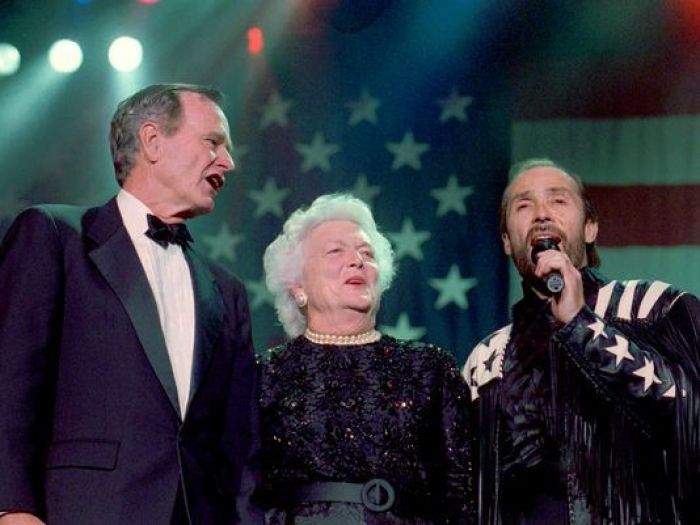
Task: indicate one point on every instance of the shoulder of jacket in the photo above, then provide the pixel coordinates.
(635, 299)
(485, 361)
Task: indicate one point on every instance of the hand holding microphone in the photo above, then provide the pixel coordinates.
(553, 281)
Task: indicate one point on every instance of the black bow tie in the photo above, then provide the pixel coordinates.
(165, 234)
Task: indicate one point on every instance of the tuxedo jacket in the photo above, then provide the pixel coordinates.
(90, 427)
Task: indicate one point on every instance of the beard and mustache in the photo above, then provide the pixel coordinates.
(574, 247)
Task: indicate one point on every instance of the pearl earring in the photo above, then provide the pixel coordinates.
(301, 299)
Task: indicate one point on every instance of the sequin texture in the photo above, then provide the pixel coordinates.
(392, 409)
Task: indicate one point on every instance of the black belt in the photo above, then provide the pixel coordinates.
(376, 495)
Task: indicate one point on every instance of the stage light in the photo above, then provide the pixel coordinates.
(148, 2)
(9, 59)
(125, 54)
(256, 41)
(65, 56)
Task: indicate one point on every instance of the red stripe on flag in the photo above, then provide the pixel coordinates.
(591, 88)
(647, 215)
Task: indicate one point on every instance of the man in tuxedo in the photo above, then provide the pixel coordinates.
(127, 378)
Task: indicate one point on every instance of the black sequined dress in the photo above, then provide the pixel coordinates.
(393, 410)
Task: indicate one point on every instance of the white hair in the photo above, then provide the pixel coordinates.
(283, 260)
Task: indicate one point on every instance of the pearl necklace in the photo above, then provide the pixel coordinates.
(342, 340)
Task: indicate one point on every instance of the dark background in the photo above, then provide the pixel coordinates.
(516, 61)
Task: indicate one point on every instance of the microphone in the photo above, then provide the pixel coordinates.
(553, 281)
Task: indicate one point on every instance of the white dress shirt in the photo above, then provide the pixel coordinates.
(171, 284)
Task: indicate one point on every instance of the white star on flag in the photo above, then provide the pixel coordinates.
(620, 350)
(403, 329)
(598, 328)
(451, 197)
(407, 152)
(364, 109)
(260, 295)
(408, 241)
(275, 111)
(363, 191)
(453, 288)
(454, 106)
(648, 373)
(269, 199)
(317, 154)
(223, 244)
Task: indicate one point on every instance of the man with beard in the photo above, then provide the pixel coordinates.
(588, 404)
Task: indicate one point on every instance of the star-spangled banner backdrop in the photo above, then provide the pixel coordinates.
(406, 128)
(404, 114)
(626, 118)
(420, 113)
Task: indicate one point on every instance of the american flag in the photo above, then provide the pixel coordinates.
(420, 114)
(626, 118)
(420, 139)
(391, 113)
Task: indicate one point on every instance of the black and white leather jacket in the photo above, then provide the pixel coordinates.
(625, 387)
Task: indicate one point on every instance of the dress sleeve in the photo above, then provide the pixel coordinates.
(460, 501)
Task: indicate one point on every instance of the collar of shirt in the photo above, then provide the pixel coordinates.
(133, 213)
(171, 284)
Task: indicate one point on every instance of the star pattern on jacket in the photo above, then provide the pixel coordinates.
(671, 392)
(648, 373)
(485, 362)
(488, 364)
(598, 329)
(620, 350)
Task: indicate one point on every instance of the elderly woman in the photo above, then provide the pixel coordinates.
(357, 427)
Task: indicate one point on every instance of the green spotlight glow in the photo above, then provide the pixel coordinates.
(65, 56)
(9, 59)
(125, 54)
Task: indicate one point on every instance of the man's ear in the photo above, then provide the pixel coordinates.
(149, 141)
(590, 231)
(506, 244)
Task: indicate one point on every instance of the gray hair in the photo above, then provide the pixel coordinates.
(158, 103)
(284, 260)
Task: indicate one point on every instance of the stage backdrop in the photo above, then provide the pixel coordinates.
(417, 107)
(403, 108)
(629, 126)
(396, 115)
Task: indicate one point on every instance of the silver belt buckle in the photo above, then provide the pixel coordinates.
(378, 495)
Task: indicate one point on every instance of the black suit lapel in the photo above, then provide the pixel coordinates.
(116, 258)
(209, 313)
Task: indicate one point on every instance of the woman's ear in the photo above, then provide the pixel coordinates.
(299, 295)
